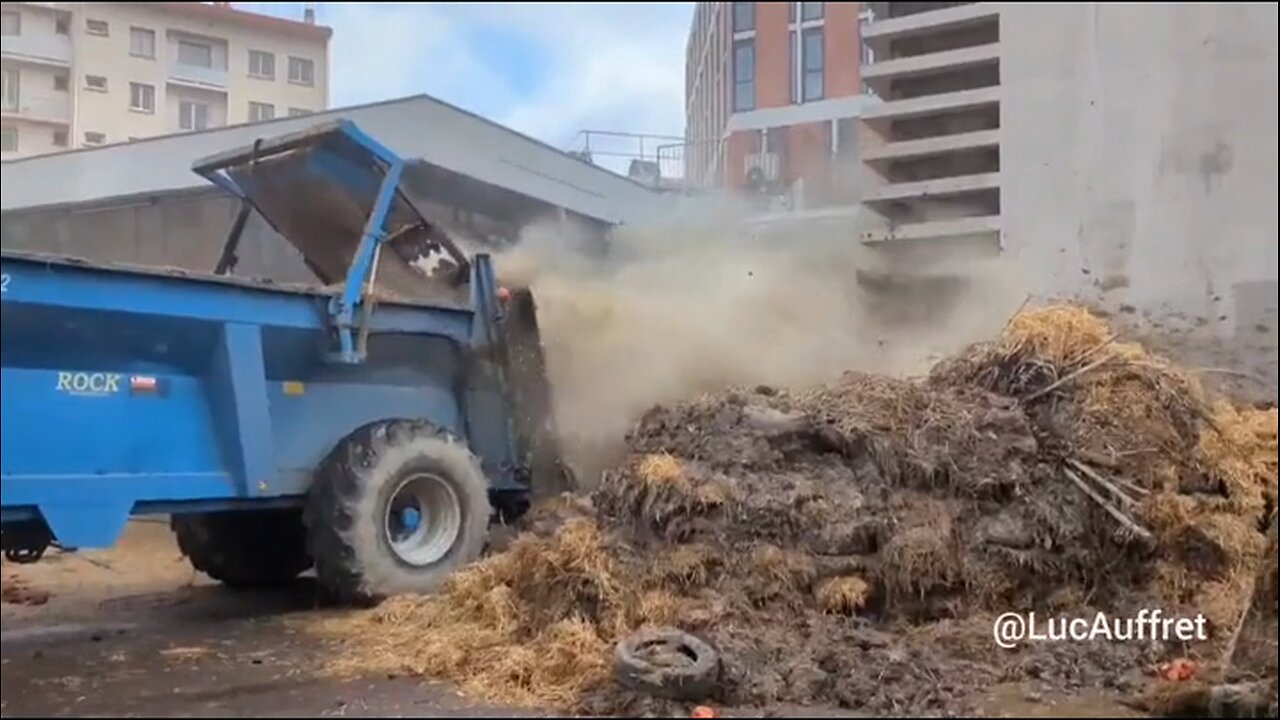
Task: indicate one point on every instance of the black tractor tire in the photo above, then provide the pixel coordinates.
(244, 550)
(690, 674)
(349, 504)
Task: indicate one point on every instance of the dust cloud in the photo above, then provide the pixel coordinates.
(685, 306)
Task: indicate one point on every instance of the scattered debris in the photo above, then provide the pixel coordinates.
(16, 591)
(185, 652)
(1179, 670)
(665, 662)
(849, 544)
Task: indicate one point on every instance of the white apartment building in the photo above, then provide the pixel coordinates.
(88, 74)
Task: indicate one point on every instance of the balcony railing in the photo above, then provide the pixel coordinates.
(198, 75)
(43, 48)
(51, 107)
(695, 165)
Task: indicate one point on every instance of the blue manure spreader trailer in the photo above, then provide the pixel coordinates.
(370, 433)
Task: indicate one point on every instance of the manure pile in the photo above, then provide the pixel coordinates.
(849, 545)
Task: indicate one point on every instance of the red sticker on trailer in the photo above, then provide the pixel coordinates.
(144, 385)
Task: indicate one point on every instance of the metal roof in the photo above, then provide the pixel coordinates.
(421, 128)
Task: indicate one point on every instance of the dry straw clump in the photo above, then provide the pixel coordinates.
(532, 626)
(843, 595)
(1239, 450)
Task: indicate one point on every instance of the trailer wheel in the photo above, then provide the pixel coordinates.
(244, 549)
(396, 508)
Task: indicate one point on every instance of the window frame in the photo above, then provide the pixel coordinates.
(806, 6)
(195, 44)
(11, 79)
(91, 23)
(17, 24)
(135, 31)
(793, 72)
(806, 72)
(10, 131)
(143, 87)
(193, 104)
(747, 15)
(271, 75)
(94, 143)
(270, 108)
(302, 62)
(106, 84)
(748, 44)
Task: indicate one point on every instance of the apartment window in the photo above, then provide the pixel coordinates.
(744, 16)
(302, 71)
(142, 97)
(97, 27)
(10, 23)
(95, 82)
(744, 75)
(811, 11)
(11, 80)
(60, 83)
(62, 24)
(193, 115)
(813, 64)
(194, 53)
(262, 64)
(60, 138)
(298, 112)
(94, 138)
(9, 140)
(792, 37)
(142, 43)
(868, 55)
(846, 139)
(261, 111)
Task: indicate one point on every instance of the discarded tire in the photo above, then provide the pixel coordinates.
(244, 549)
(667, 663)
(395, 508)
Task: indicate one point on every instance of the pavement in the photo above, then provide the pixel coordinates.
(133, 631)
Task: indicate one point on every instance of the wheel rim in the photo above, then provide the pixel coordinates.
(423, 519)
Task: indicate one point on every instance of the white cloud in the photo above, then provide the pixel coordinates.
(606, 66)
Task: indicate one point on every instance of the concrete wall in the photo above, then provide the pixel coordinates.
(181, 231)
(187, 230)
(1138, 156)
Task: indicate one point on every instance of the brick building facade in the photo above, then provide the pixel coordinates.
(771, 90)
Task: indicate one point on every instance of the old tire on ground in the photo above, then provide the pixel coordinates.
(395, 508)
(244, 549)
(667, 663)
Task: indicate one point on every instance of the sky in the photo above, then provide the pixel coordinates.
(546, 69)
